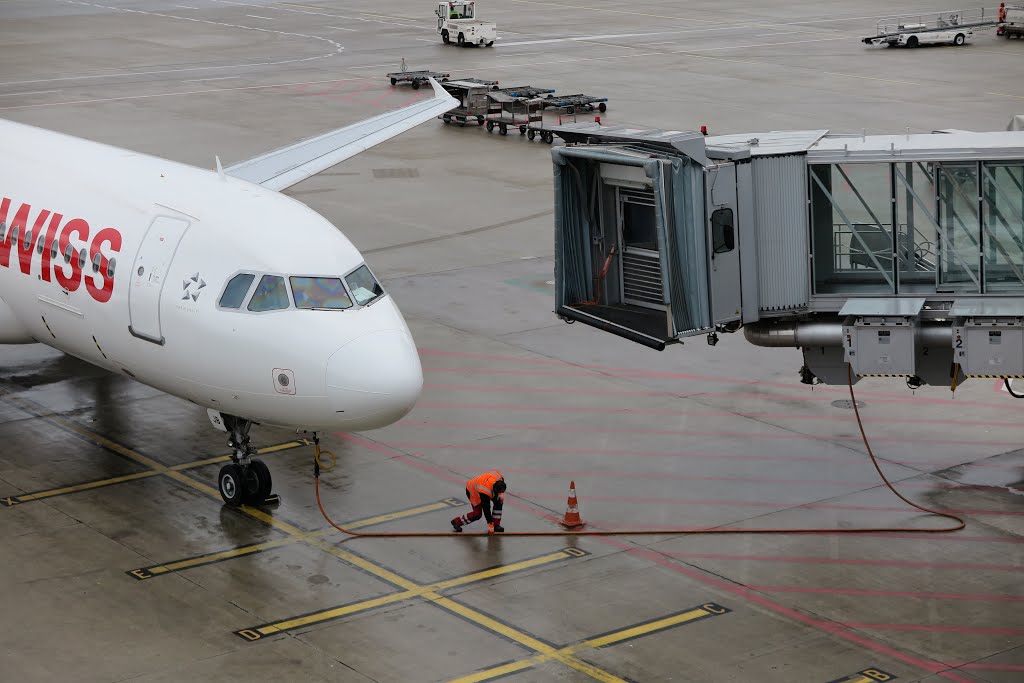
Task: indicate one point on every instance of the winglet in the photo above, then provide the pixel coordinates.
(220, 169)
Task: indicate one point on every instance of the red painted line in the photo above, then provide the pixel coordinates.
(859, 561)
(887, 594)
(993, 667)
(700, 576)
(753, 503)
(713, 413)
(829, 627)
(679, 477)
(917, 400)
(612, 452)
(661, 454)
(937, 629)
(673, 432)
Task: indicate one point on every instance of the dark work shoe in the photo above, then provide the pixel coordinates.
(456, 527)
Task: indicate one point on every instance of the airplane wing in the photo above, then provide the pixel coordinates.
(289, 165)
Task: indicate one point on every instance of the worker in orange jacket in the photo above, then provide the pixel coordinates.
(1001, 16)
(483, 492)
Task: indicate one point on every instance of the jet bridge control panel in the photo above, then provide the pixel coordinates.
(900, 255)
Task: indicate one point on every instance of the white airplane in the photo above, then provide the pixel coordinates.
(208, 285)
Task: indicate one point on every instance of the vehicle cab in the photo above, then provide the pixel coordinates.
(457, 21)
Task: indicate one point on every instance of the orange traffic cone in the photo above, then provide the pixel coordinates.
(572, 520)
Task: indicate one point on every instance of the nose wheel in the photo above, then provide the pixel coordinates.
(244, 480)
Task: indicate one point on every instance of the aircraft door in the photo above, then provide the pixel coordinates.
(149, 272)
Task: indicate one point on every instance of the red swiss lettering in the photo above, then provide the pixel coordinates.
(51, 233)
(76, 226)
(102, 292)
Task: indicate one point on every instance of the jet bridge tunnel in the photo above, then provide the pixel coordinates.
(902, 255)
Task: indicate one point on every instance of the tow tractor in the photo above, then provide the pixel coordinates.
(456, 20)
(940, 28)
(1013, 24)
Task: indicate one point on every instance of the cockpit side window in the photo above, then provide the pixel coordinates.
(271, 295)
(320, 292)
(236, 289)
(363, 285)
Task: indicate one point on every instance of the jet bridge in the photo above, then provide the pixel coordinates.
(902, 255)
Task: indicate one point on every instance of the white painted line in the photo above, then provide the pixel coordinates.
(427, 40)
(582, 38)
(185, 7)
(778, 33)
(256, 16)
(32, 92)
(340, 28)
(372, 66)
(215, 78)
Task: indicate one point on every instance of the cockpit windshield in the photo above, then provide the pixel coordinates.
(320, 292)
(363, 285)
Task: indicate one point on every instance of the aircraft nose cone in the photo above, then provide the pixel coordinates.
(374, 380)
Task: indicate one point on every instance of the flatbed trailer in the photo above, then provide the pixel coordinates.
(527, 91)
(577, 102)
(417, 78)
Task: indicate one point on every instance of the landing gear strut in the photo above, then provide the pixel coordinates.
(245, 479)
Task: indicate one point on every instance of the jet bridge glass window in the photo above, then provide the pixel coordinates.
(852, 228)
(271, 295)
(959, 227)
(320, 292)
(363, 285)
(1003, 218)
(235, 291)
(918, 227)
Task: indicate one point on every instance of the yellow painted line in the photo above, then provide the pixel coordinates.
(242, 551)
(547, 652)
(224, 458)
(39, 495)
(370, 567)
(412, 590)
(565, 653)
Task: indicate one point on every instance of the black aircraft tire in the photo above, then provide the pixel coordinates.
(231, 484)
(258, 482)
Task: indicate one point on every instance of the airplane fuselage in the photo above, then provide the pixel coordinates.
(121, 259)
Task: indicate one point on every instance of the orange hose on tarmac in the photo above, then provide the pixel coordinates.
(960, 524)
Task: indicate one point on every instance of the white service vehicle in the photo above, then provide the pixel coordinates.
(456, 21)
(920, 34)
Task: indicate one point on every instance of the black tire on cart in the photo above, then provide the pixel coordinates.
(912, 41)
(531, 134)
(480, 120)
(490, 43)
(394, 81)
(445, 37)
(503, 129)
(490, 126)
(548, 137)
(415, 85)
(522, 130)
(447, 118)
(602, 107)
(461, 122)
(959, 39)
(462, 40)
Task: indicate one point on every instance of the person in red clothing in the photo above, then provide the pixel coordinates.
(1001, 15)
(483, 492)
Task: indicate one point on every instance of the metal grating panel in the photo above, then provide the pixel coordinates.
(641, 277)
(780, 210)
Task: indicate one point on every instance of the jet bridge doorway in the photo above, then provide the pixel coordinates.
(633, 259)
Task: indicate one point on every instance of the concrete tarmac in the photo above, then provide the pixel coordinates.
(120, 563)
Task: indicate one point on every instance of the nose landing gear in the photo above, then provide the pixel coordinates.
(244, 480)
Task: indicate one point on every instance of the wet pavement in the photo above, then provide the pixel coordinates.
(120, 562)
